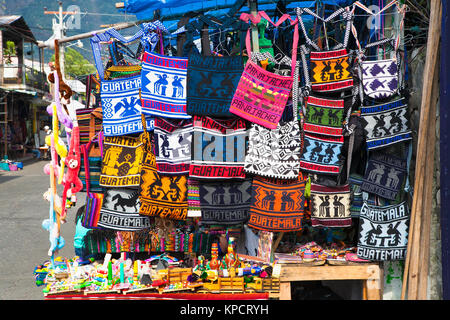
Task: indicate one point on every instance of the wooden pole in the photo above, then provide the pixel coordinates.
(424, 250)
(411, 273)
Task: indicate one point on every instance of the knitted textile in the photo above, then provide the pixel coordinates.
(383, 232)
(173, 145)
(386, 124)
(385, 175)
(84, 122)
(122, 158)
(330, 207)
(95, 167)
(211, 82)
(274, 153)
(277, 207)
(218, 148)
(321, 154)
(120, 211)
(162, 196)
(121, 107)
(324, 116)
(94, 203)
(380, 78)
(356, 198)
(225, 203)
(163, 90)
(330, 71)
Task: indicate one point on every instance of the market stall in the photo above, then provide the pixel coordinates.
(234, 156)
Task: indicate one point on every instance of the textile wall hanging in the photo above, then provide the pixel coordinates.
(162, 196)
(277, 207)
(225, 203)
(122, 158)
(163, 90)
(261, 96)
(218, 148)
(321, 154)
(330, 206)
(385, 175)
(173, 145)
(121, 107)
(94, 203)
(212, 82)
(274, 153)
(120, 211)
(330, 69)
(386, 124)
(383, 232)
(356, 196)
(324, 116)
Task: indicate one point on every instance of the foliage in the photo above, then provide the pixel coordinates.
(9, 51)
(75, 64)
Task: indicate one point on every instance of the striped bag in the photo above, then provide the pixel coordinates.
(90, 124)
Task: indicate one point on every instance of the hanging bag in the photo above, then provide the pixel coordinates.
(261, 96)
(211, 79)
(94, 197)
(91, 166)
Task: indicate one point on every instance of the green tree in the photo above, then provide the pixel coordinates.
(75, 64)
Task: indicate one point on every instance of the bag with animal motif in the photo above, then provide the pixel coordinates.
(330, 206)
(225, 203)
(277, 206)
(122, 159)
(383, 232)
(163, 196)
(120, 211)
(211, 79)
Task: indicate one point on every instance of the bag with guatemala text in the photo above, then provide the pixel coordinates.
(330, 206)
(225, 203)
(383, 232)
(164, 85)
(121, 163)
(120, 211)
(218, 148)
(277, 206)
(163, 196)
(173, 140)
(121, 106)
(261, 96)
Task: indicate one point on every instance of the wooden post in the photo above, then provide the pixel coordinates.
(445, 148)
(412, 262)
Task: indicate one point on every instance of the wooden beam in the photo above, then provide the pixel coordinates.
(412, 262)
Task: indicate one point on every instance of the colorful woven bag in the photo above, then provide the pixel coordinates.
(218, 148)
(164, 85)
(386, 124)
(173, 140)
(120, 211)
(121, 106)
(160, 195)
(91, 166)
(330, 206)
(277, 206)
(383, 232)
(321, 154)
(225, 203)
(261, 96)
(121, 163)
(90, 124)
(324, 116)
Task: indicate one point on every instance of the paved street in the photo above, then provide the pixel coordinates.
(24, 243)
